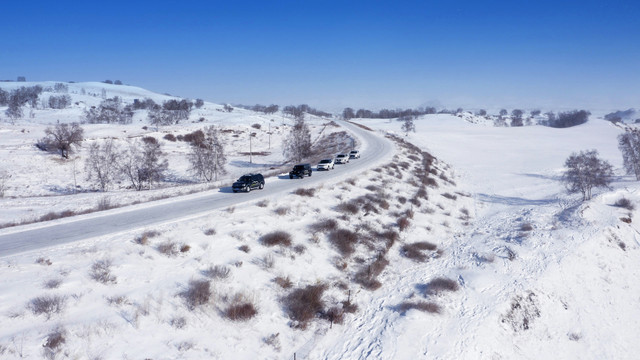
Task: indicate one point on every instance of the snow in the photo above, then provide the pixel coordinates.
(571, 267)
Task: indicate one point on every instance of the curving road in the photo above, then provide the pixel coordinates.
(375, 150)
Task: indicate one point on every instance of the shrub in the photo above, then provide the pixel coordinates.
(299, 249)
(283, 210)
(210, 232)
(526, 227)
(284, 282)
(450, 196)
(256, 126)
(523, 311)
(244, 248)
(263, 203)
(403, 223)
(197, 293)
(52, 284)
(425, 306)
(170, 137)
(344, 240)
(184, 248)
(439, 285)
(143, 239)
(414, 251)
(217, 272)
(624, 203)
(54, 341)
(241, 309)
(43, 261)
(348, 207)
(334, 314)
(367, 276)
(325, 225)
(101, 272)
(168, 248)
(178, 322)
(305, 192)
(303, 304)
(279, 237)
(47, 305)
(149, 140)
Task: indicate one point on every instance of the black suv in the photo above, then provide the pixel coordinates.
(300, 171)
(248, 182)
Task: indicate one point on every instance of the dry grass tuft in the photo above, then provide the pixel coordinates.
(101, 272)
(47, 305)
(279, 237)
(197, 293)
(305, 192)
(217, 272)
(324, 225)
(440, 285)
(424, 306)
(414, 251)
(303, 304)
(344, 240)
(240, 309)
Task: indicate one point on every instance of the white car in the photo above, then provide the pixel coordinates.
(342, 159)
(354, 154)
(325, 164)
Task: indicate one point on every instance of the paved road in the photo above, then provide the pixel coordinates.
(375, 150)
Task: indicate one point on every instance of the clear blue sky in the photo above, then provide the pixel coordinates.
(332, 54)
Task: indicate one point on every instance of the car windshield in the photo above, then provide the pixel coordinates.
(354, 152)
(325, 161)
(245, 179)
(298, 167)
(341, 155)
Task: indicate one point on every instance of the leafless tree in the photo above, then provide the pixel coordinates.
(297, 145)
(143, 163)
(585, 171)
(101, 165)
(503, 112)
(63, 137)
(199, 103)
(629, 145)
(207, 157)
(516, 117)
(408, 125)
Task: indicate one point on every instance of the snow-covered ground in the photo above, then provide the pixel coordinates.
(510, 266)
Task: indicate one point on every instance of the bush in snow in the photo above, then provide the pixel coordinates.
(54, 342)
(414, 251)
(217, 272)
(279, 237)
(101, 271)
(197, 293)
(425, 306)
(440, 285)
(624, 203)
(240, 309)
(344, 240)
(303, 304)
(47, 305)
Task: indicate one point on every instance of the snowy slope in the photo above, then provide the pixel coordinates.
(527, 271)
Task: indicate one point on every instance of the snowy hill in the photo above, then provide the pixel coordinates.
(464, 246)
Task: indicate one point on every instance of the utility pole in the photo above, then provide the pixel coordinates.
(250, 147)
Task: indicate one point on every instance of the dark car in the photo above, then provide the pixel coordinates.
(249, 182)
(300, 171)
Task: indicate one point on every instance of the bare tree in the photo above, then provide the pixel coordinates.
(629, 145)
(101, 165)
(503, 112)
(297, 145)
(516, 117)
(586, 171)
(207, 157)
(408, 125)
(143, 163)
(63, 137)
(199, 103)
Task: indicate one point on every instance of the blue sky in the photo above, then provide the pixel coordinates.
(332, 54)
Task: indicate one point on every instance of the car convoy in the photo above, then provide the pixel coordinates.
(252, 181)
